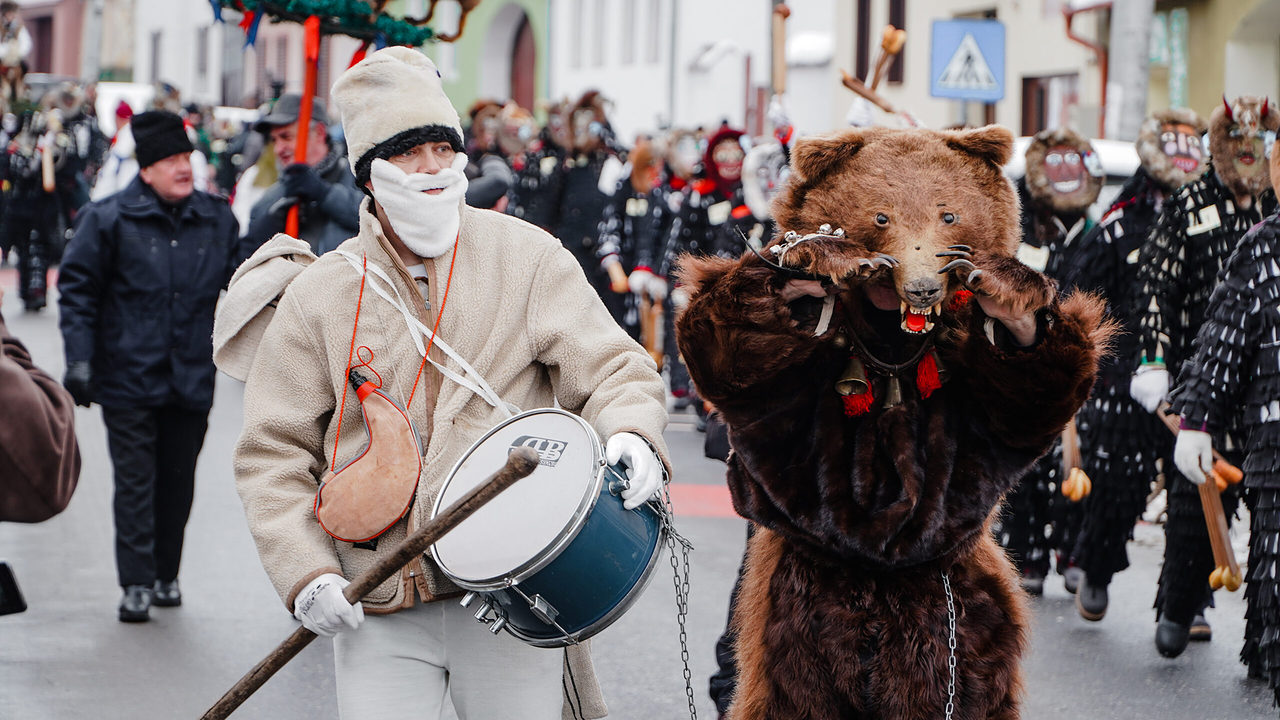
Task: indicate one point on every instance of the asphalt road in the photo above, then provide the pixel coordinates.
(68, 657)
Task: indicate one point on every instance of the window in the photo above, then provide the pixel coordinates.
(202, 54)
(598, 29)
(655, 14)
(576, 40)
(862, 61)
(898, 19)
(155, 56)
(629, 26)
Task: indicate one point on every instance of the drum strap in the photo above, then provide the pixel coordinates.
(470, 379)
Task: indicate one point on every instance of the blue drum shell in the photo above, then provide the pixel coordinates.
(594, 580)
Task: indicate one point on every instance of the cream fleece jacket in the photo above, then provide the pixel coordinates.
(519, 309)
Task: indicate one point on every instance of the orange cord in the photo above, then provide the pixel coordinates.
(439, 315)
(350, 352)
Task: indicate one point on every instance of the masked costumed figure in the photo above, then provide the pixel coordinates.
(1198, 229)
(1234, 378)
(1063, 179)
(1120, 441)
(488, 170)
(628, 233)
(885, 377)
(714, 218)
(536, 195)
(45, 174)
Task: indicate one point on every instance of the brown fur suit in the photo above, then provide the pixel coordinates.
(843, 613)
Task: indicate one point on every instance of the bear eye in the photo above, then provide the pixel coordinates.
(882, 219)
(948, 218)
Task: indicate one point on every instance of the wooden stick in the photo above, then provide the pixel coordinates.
(1214, 517)
(860, 88)
(520, 463)
(780, 14)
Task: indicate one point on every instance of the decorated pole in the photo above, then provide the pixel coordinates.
(311, 54)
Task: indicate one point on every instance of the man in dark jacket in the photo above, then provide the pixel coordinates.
(138, 286)
(320, 185)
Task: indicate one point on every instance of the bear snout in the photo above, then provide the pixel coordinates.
(923, 292)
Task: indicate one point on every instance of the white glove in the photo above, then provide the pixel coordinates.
(1193, 454)
(638, 281)
(656, 286)
(679, 298)
(323, 610)
(1149, 386)
(644, 469)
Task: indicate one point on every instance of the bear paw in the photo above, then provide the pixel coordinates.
(830, 254)
(1002, 284)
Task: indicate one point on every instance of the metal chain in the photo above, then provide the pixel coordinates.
(951, 646)
(681, 581)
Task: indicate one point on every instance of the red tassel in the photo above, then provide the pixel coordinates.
(959, 300)
(860, 404)
(358, 55)
(927, 379)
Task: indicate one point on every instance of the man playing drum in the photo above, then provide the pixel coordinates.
(460, 315)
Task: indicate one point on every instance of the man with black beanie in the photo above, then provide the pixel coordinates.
(138, 286)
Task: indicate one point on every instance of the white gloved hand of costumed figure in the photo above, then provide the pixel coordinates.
(638, 281)
(322, 609)
(1193, 454)
(1149, 386)
(644, 469)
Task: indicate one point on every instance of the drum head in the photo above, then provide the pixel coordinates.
(524, 526)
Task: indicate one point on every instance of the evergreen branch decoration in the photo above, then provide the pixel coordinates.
(353, 18)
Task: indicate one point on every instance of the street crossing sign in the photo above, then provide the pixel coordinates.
(967, 60)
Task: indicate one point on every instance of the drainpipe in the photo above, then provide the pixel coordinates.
(1068, 13)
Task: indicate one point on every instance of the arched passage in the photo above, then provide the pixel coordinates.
(508, 67)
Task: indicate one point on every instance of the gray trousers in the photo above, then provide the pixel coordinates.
(406, 665)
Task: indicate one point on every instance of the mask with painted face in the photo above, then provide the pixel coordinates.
(1240, 134)
(1063, 171)
(1170, 149)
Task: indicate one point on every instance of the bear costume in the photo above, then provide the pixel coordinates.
(876, 428)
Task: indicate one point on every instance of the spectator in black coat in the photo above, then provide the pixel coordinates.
(138, 286)
(320, 185)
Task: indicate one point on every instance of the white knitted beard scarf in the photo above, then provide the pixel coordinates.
(427, 224)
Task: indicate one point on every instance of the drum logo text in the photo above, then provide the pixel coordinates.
(549, 451)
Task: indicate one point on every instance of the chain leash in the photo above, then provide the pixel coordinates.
(951, 646)
(680, 578)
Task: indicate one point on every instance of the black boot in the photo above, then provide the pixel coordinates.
(1200, 630)
(1171, 637)
(135, 606)
(1091, 600)
(167, 594)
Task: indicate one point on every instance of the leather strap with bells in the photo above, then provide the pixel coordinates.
(371, 492)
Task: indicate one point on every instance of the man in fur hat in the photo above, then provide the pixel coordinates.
(1120, 441)
(510, 301)
(1063, 179)
(137, 291)
(1198, 229)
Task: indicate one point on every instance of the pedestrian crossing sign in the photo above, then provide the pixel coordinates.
(967, 60)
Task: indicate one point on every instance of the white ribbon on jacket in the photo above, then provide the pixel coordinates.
(470, 378)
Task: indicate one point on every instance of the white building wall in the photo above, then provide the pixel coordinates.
(1036, 45)
(713, 38)
(179, 23)
(656, 87)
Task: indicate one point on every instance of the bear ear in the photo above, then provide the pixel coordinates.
(993, 143)
(813, 157)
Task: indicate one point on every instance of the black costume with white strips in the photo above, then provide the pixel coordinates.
(1120, 441)
(1036, 517)
(1234, 380)
(629, 232)
(1198, 229)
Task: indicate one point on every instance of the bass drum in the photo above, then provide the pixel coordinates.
(554, 559)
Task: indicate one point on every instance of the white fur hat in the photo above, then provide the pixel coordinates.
(394, 94)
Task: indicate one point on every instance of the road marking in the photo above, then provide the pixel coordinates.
(692, 500)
